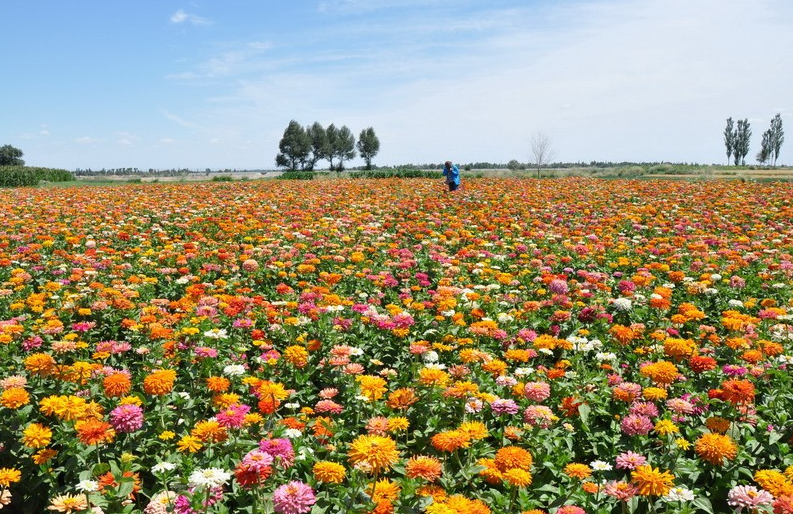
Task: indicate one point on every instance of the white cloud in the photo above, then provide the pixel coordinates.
(181, 16)
(88, 140)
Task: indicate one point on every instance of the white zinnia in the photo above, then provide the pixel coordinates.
(162, 467)
(209, 477)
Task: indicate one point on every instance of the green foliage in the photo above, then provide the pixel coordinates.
(10, 156)
(319, 144)
(21, 176)
(393, 174)
(743, 134)
(368, 146)
(295, 147)
(729, 138)
(297, 175)
(223, 178)
(777, 137)
(342, 145)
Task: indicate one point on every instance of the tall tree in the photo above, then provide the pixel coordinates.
(729, 139)
(295, 147)
(777, 136)
(743, 135)
(765, 147)
(332, 135)
(319, 144)
(343, 146)
(10, 156)
(541, 150)
(368, 146)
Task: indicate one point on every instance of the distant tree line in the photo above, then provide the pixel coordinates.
(738, 135)
(302, 148)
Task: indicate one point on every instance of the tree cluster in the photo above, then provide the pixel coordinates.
(302, 148)
(10, 156)
(737, 137)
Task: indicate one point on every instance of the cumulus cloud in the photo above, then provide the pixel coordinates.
(181, 16)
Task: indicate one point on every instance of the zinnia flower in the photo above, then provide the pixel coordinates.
(9, 476)
(652, 481)
(428, 468)
(714, 448)
(376, 452)
(748, 497)
(329, 472)
(69, 503)
(127, 418)
(293, 498)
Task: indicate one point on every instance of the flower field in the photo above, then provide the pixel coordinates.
(350, 346)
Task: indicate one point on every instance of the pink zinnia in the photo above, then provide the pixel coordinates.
(233, 417)
(257, 460)
(630, 460)
(293, 498)
(537, 391)
(328, 406)
(644, 409)
(558, 286)
(279, 448)
(748, 497)
(570, 509)
(126, 418)
(623, 491)
(502, 406)
(538, 415)
(635, 424)
(680, 406)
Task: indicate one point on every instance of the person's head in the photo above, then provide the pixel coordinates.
(448, 164)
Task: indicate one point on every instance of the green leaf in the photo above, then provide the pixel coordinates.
(100, 469)
(703, 504)
(125, 487)
(583, 411)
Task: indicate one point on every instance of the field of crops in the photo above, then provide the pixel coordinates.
(375, 346)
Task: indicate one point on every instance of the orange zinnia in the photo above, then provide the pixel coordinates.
(714, 448)
(510, 457)
(116, 385)
(160, 382)
(737, 391)
(374, 452)
(94, 431)
(428, 468)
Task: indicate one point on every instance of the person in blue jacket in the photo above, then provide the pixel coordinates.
(452, 175)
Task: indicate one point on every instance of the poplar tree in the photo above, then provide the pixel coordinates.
(729, 138)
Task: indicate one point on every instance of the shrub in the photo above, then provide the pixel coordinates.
(223, 178)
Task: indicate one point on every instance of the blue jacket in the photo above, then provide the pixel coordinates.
(452, 175)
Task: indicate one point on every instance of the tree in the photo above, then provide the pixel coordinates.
(10, 156)
(541, 150)
(743, 133)
(729, 139)
(342, 145)
(513, 165)
(368, 146)
(295, 147)
(765, 149)
(319, 144)
(777, 136)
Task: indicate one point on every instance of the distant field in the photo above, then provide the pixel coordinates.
(659, 172)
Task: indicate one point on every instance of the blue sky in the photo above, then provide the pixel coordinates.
(160, 84)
